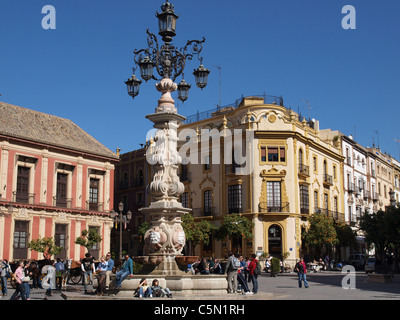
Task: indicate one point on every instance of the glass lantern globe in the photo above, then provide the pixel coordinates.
(167, 22)
(133, 85)
(201, 76)
(183, 90)
(146, 68)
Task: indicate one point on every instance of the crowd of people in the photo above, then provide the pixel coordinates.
(240, 271)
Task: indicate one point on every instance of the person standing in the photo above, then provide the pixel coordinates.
(88, 270)
(231, 272)
(301, 270)
(252, 274)
(49, 282)
(110, 266)
(18, 276)
(59, 273)
(126, 270)
(241, 277)
(5, 274)
(101, 279)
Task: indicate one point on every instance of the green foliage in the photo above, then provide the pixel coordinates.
(383, 230)
(275, 265)
(346, 236)
(45, 245)
(196, 231)
(321, 231)
(137, 267)
(142, 229)
(88, 239)
(235, 225)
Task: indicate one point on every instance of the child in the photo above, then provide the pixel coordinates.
(159, 291)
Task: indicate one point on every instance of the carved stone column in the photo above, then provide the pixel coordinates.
(165, 238)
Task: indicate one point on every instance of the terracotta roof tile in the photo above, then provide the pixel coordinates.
(44, 128)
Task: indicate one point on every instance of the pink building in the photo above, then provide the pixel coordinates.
(55, 181)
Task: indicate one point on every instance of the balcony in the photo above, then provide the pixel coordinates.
(304, 170)
(338, 216)
(367, 195)
(328, 180)
(204, 212)
(62, 202)
(94, 206)
(22, 197)
(265, 207)
(375, 196)
(350, 187)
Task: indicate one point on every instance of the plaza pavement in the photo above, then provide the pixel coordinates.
(322, 286)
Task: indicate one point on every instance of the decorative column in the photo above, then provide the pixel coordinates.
(165, 238)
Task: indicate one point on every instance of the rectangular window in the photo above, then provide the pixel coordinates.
(185, 200)
(60, 239)
(273, 154)
(21, 239)
(23, 184)
(235, 198)
(263, 154)
(61, 190)
(207, 204)
(273, 196)
(94, 194)
(304, 200)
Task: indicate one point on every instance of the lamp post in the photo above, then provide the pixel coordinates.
(165, 238)
(121, 218)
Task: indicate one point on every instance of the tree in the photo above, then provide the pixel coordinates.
(373, 227)
(346, 236)
(88, 239)
(196, 231)
(46, 246)
(235, 225)
(321, 233)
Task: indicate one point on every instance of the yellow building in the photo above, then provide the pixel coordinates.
(289, 173)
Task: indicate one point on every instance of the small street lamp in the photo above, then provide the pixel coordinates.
(121, 218)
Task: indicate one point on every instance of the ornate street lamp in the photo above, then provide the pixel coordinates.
(121, 218)
(168, 60)
(165, 238)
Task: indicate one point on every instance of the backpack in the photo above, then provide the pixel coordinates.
(235, 263)
(257, 270)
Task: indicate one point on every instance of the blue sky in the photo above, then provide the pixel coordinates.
(294, 48)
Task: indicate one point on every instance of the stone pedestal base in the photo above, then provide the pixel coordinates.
(180, 285)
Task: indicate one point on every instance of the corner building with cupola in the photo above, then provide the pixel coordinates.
(295, 172)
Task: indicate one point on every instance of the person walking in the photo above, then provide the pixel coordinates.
(5, 274)
(301, 270)
(26, 279)
(126, 270)
(252, 273)
(88, 270)
(19, 276)
(231, 268)
(109, 271)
